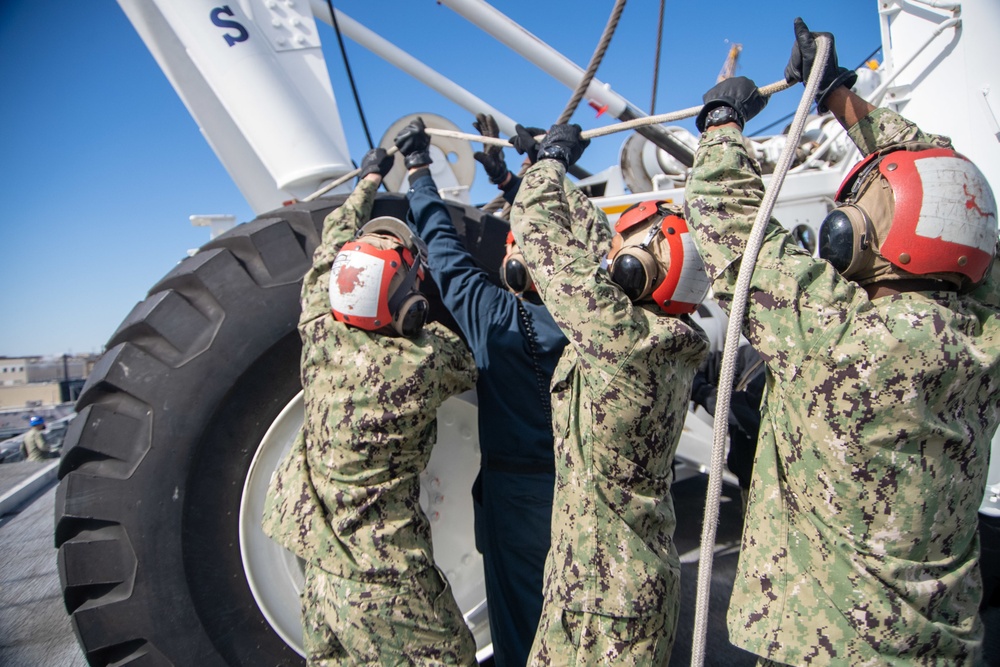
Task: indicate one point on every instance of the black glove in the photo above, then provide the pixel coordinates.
(800, 64)
(376, 161)
(491, 157)
(737, 92)
(414, 143)
(563, 143)
(486, 125)
(524, 141)
(493, 164)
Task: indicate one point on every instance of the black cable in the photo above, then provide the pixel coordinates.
(656, 60)
(781, 120)
(350, 75)
(786, 117)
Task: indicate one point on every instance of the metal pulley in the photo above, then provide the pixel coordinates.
(453, 167)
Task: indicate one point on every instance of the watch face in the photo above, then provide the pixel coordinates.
(720, 115)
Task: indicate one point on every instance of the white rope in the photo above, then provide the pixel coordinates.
(725, 388)
(392, 150)
(766, 91)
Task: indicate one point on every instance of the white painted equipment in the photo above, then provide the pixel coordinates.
(252, 74)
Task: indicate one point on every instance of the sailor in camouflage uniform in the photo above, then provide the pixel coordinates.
(620, 393)
(346, 498)
(860, 545)
(516, 344)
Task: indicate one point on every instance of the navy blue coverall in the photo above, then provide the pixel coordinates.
(516, 344)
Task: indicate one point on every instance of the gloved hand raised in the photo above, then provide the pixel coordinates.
(376, 161)
(524, 141)
(737, 92)
(563, 143)
(491, 157)
(414, 143)
(800, 64)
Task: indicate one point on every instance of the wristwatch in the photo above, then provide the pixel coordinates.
(722, 115)
(554, 152)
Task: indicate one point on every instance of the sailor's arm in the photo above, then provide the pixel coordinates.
(466, 290)
(593, 313)
(870, 128)
(339, 227)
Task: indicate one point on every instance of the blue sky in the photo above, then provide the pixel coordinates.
(101, 165)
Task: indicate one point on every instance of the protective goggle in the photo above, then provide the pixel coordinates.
(912, 209)
(661, 262)
(374, 281)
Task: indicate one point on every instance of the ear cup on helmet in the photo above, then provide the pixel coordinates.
(411, 316)
(845, 239)
(514, 273)
(634, 270)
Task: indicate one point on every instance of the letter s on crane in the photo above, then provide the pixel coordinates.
(225, 23)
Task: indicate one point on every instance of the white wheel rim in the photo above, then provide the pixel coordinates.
(275, 575)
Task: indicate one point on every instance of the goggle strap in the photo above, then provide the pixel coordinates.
(405, 288)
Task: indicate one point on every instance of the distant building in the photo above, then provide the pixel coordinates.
(14, 370)
(54, 369)
(34, 382)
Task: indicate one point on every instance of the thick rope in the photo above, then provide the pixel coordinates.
(690, 112)
(499, 202)
(725, 388)
(766, 91)
(595, 62)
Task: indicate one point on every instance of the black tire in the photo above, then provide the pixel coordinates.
(168, 423)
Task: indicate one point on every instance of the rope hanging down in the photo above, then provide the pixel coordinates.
(581, 89)
(595, 62)
(740, 295)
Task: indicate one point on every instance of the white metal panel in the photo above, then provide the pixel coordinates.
(953, 86)
(248, 96)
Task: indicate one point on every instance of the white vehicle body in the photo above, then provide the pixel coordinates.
(253, 76)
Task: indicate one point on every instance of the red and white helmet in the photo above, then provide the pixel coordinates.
(912, 210)
(653, 255)
(375, 279)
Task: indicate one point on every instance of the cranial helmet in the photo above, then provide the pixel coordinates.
(375, 279)
(654, 256)
(513, 271)
(912, 210)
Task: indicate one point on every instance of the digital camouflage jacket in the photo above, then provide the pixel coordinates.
(346, 498)
(620, 394)
(859, 546)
